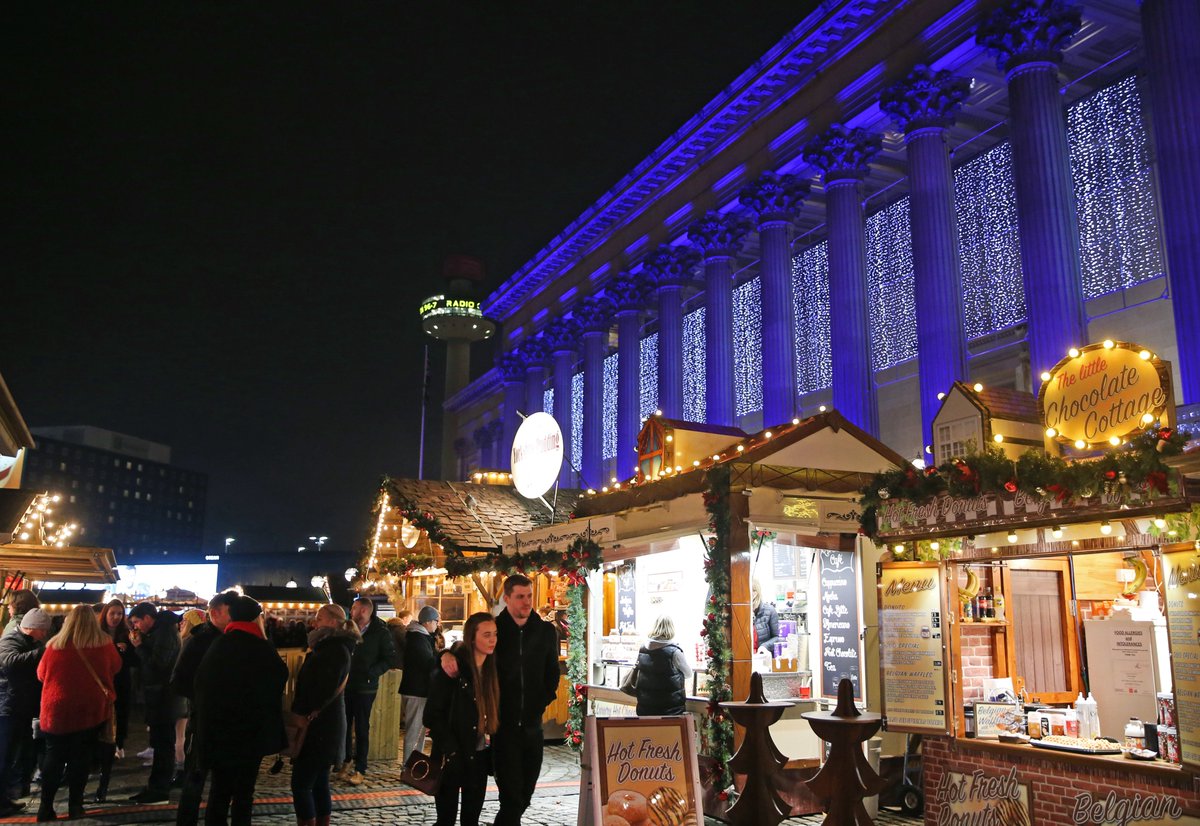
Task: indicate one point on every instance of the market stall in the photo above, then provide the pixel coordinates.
(721, 526)
(1038, 614)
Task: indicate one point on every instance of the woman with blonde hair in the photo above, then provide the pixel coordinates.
(662, 672)
(319, 688)
(77, 674)
(462, 714)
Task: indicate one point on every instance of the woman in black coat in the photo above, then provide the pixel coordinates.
(461, 715)
(113, 621)
(238, 712)
(319, 689)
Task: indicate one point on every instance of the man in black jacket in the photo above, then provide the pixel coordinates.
(373, 657)
(419, 661)
(20, 697)
(157, 644)
(527, 665)
(183, 680)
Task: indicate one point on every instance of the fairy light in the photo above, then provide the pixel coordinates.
(577, 416)
(747, 348)
(1106, 528)
(891, 298)
(693, 366)
(810, 302)
(648, 376)
(1051, 432)
(610, 407)
(384, 501)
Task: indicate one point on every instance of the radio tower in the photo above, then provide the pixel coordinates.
(455, 318)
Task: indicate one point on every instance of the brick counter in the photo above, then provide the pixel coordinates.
(1054, 778)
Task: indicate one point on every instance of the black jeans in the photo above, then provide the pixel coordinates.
(22, 756)
(162, 740)
(232, 785)
(517, 757)
(310, 787)
(74, 753)
(358, 725)
(468, 774)
(194, 776)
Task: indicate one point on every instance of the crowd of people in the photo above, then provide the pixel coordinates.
(66, 696)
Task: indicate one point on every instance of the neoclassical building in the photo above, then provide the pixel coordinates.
(896, 196)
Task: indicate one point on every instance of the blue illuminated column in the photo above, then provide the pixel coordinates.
(924, 105)
(533, 351)
(669, 270)
(776, 199)
(629, 297)
(1170, 28)
(562, 337)
(1027, 37)
(512, 376)
(843, 155)
(719, 237)
(595, 317)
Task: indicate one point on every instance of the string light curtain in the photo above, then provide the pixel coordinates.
(890, 287)
(610, 407)
(649, 375)
(810, 294)
(693, 366)
(747, 348)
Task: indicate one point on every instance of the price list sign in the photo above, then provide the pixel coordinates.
(841, 621)
(911, 648)
(627, 599)
(1182, 571)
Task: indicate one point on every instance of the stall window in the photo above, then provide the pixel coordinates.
(1043, 645)
(652, 453)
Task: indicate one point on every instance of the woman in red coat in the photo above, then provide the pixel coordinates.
(77, 673)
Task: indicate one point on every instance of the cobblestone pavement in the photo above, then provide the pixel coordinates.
(382, 799)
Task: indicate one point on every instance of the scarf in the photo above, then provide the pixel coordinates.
(248, 627)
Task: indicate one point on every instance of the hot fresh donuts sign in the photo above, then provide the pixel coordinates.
(643, 772)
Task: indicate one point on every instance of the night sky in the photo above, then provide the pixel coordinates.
(221, 217)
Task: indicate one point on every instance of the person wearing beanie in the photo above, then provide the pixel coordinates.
(373, 657)
(236, 727)
(21, 650)
(419, 660)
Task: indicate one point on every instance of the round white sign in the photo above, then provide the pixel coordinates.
(537, 455)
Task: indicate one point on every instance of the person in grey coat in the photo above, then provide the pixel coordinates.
(419, 662)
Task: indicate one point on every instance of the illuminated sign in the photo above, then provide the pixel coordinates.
(440, 305)
(1102, 394)
(537, 455)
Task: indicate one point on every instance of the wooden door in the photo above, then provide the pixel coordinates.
(1043, 648)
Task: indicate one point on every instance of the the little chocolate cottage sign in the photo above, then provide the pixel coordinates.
(1101, 394)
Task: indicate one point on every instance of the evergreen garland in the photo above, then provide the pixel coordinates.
(576, 666)
(1138, 465)
(716, 735)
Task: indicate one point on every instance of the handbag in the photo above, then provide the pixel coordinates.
(629, 684)
(296, 725)
(108, 729)
(423, 772)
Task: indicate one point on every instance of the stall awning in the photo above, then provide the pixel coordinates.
(46, 563)
(14, 502)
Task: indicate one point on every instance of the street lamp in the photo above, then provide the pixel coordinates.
(229, 540)
(291, 583)
(320, 540)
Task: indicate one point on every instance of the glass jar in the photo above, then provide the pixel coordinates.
(1135, 734)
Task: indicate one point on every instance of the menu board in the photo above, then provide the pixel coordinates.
(912, 648)
(1182, 574)
(627, 599)
(641, 770)
(841, 619)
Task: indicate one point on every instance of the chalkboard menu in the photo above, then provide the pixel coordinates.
(840, 620)
(626, 599)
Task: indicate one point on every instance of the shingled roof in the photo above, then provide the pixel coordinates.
(1003, 402)
(478, 517)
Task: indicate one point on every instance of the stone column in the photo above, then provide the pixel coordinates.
(512, 377)
(719, 237)
(843, 156)
(924, 105)
(561, 340)
(483, 444)
(1169, 29)
(775, 199)
(1027, 37)
(595, 318)
(533, 351)
(629, 298)
(670, 271)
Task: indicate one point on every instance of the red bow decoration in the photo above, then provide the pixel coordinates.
(1110, 474)
(1157, 479)
(1061, 492)
(1010, 486)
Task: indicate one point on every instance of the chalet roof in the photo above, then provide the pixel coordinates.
(282, 593)
(1002, 402)
(478, 517)
(719, 430)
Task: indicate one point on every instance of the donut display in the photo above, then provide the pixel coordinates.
(627, 804)
(615, 820)
(667, 807)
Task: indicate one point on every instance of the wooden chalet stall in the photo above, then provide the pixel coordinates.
(418, 522)
(790, 495)
(1017, 587)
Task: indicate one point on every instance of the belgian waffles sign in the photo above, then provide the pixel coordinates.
(1100, 395)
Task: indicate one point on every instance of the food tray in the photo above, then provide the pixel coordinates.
(1116, 749)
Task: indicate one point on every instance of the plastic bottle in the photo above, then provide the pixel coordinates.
(991, 605)
(1093, 715)
(1072, 724)
(998, 603)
